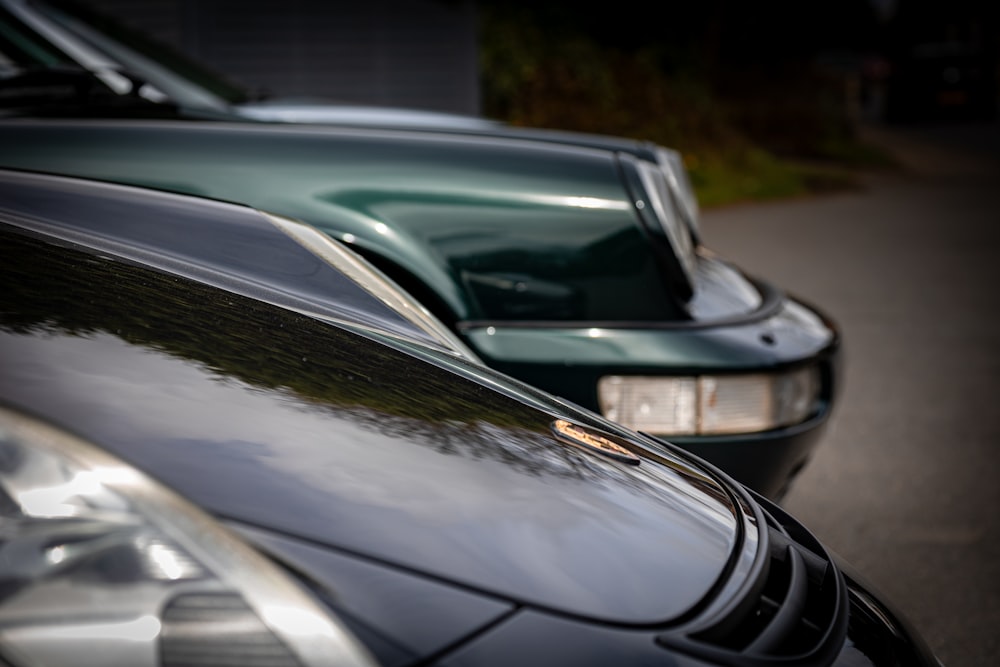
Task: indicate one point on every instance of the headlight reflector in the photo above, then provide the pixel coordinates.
(96, 559)
(710, 404)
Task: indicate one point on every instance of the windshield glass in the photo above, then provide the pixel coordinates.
(21, 47)
(91, 39)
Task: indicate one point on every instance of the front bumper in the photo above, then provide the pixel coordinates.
(767, 462)
(569, 362)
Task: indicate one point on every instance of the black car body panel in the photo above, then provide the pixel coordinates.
(348, 455)
(449, 514)
(365, 475)
(400, 615)
(241, 250)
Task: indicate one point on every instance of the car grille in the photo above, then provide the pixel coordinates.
(797, 608)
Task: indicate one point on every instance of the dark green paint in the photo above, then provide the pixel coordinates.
(456, 216)
(542, 242)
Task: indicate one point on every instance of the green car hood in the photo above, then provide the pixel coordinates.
(477, 227)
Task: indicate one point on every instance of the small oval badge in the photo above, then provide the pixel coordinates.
(594, 441)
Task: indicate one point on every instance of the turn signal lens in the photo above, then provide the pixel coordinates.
(710, 404)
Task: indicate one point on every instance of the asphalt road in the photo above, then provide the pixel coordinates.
(906, 483)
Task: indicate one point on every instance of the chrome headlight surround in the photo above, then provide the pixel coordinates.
(103, 566)
(710, 404)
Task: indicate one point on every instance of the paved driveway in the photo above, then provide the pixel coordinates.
(906, 484)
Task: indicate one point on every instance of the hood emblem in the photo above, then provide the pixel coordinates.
(593, 441)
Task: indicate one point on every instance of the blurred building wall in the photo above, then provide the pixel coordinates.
(413, 53)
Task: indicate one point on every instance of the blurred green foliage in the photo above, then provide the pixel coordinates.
(749, 131)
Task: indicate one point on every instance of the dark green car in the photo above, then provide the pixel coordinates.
(569, 261)
(563, 266)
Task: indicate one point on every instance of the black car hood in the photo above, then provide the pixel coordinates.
(276, 420)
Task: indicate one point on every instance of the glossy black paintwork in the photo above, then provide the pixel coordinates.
(401, 617)
(531, 639)
(422, 498)
(876, 635)
(277, 420)
(224, 244)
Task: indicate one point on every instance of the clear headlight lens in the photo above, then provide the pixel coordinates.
(99, 565)
(709, 404)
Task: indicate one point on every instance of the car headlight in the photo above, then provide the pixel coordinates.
(710, 404)
(100, 565)
(672, 164)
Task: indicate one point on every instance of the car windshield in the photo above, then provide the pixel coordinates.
(60, 32)
(19, 47)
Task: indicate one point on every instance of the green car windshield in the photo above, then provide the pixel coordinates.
(77, 35)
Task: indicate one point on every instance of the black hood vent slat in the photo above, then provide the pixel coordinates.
(788, 611)
(796, 610)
